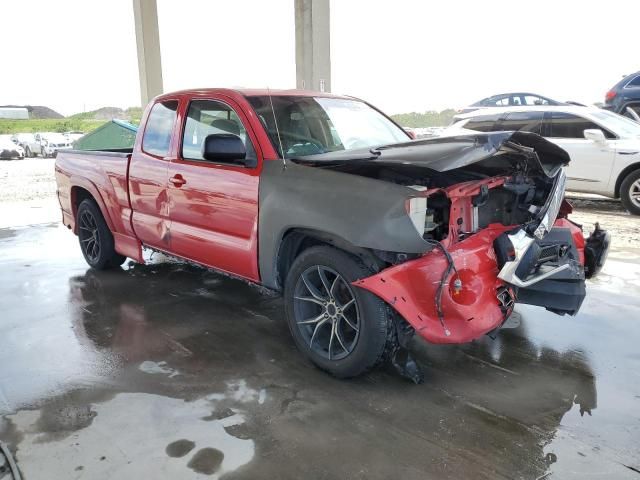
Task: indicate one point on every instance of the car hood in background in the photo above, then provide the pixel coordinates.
(448, 153)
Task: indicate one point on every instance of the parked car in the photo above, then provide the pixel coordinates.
(604, 147)
(517, 99)
(369, 236)
(33, 142)
(9, 149)
(73, 136)
(26, 141)
(624, 97)
(52, 143)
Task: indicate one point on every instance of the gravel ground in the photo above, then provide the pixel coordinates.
(624, 227)
(27, 196)
(27, 180)
(27, 192)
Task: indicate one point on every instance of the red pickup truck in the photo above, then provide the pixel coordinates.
(370, 236)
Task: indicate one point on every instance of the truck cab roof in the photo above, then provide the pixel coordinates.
(250, 92)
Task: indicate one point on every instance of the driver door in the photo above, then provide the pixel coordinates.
(591, 162)
(214, 206)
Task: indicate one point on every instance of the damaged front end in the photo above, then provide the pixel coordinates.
(491, 212)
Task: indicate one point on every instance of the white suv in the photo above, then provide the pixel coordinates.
(604, 147)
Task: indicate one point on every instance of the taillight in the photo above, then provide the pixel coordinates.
(611, 94)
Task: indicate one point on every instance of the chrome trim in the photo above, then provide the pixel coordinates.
(576, 179)
(521, 243)
(515, 280)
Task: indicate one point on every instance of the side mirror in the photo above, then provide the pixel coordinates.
(595, 135)
(224, 147)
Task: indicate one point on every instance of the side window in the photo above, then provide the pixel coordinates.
(525, 121)
(503, 102)
(566, 125)
(533, 100)
(157, 134)
(484, 123)
(635, 82)
(206, 117)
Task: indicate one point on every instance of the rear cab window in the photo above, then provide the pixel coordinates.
(157, 134)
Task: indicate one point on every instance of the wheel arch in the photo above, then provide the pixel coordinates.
(622, 175)
(296, 240)
(81, 191)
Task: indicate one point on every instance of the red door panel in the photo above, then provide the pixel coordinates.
(214, 217)
(149, 200)
(214, 207)
(148, 175)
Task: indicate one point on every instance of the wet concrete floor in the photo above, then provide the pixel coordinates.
(170, 371)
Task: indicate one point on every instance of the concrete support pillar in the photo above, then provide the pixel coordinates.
(145, 13)
(313, 46)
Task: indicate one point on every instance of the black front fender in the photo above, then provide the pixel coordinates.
(364, 212)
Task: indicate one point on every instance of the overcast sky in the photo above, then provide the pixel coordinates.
(401, 55)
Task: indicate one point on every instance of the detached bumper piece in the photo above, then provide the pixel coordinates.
(596, 251)
(557, 296)
(549, 272)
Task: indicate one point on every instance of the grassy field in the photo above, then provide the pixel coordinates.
(80, 122)
(48, 125)
(131, 114)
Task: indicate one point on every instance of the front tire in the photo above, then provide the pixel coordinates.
(27, 152)
(341, 328)
(96, 240)
(630, 192)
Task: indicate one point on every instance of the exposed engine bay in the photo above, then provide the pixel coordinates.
(502, 175)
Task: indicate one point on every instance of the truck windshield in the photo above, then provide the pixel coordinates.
(314, 125)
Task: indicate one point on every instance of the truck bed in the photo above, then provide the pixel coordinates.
(102, 175)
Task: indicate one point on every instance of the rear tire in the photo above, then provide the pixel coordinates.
(322, 304)
(96, 240)
(630, 192)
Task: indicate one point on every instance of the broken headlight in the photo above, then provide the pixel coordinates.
(552, 206)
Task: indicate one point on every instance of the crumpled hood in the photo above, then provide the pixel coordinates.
(448, 153)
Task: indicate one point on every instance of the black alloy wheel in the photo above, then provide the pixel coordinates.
(96, 240)
(341, 328)
(89, 236)
(326, 312)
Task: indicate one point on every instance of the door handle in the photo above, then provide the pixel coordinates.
(177, 180)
